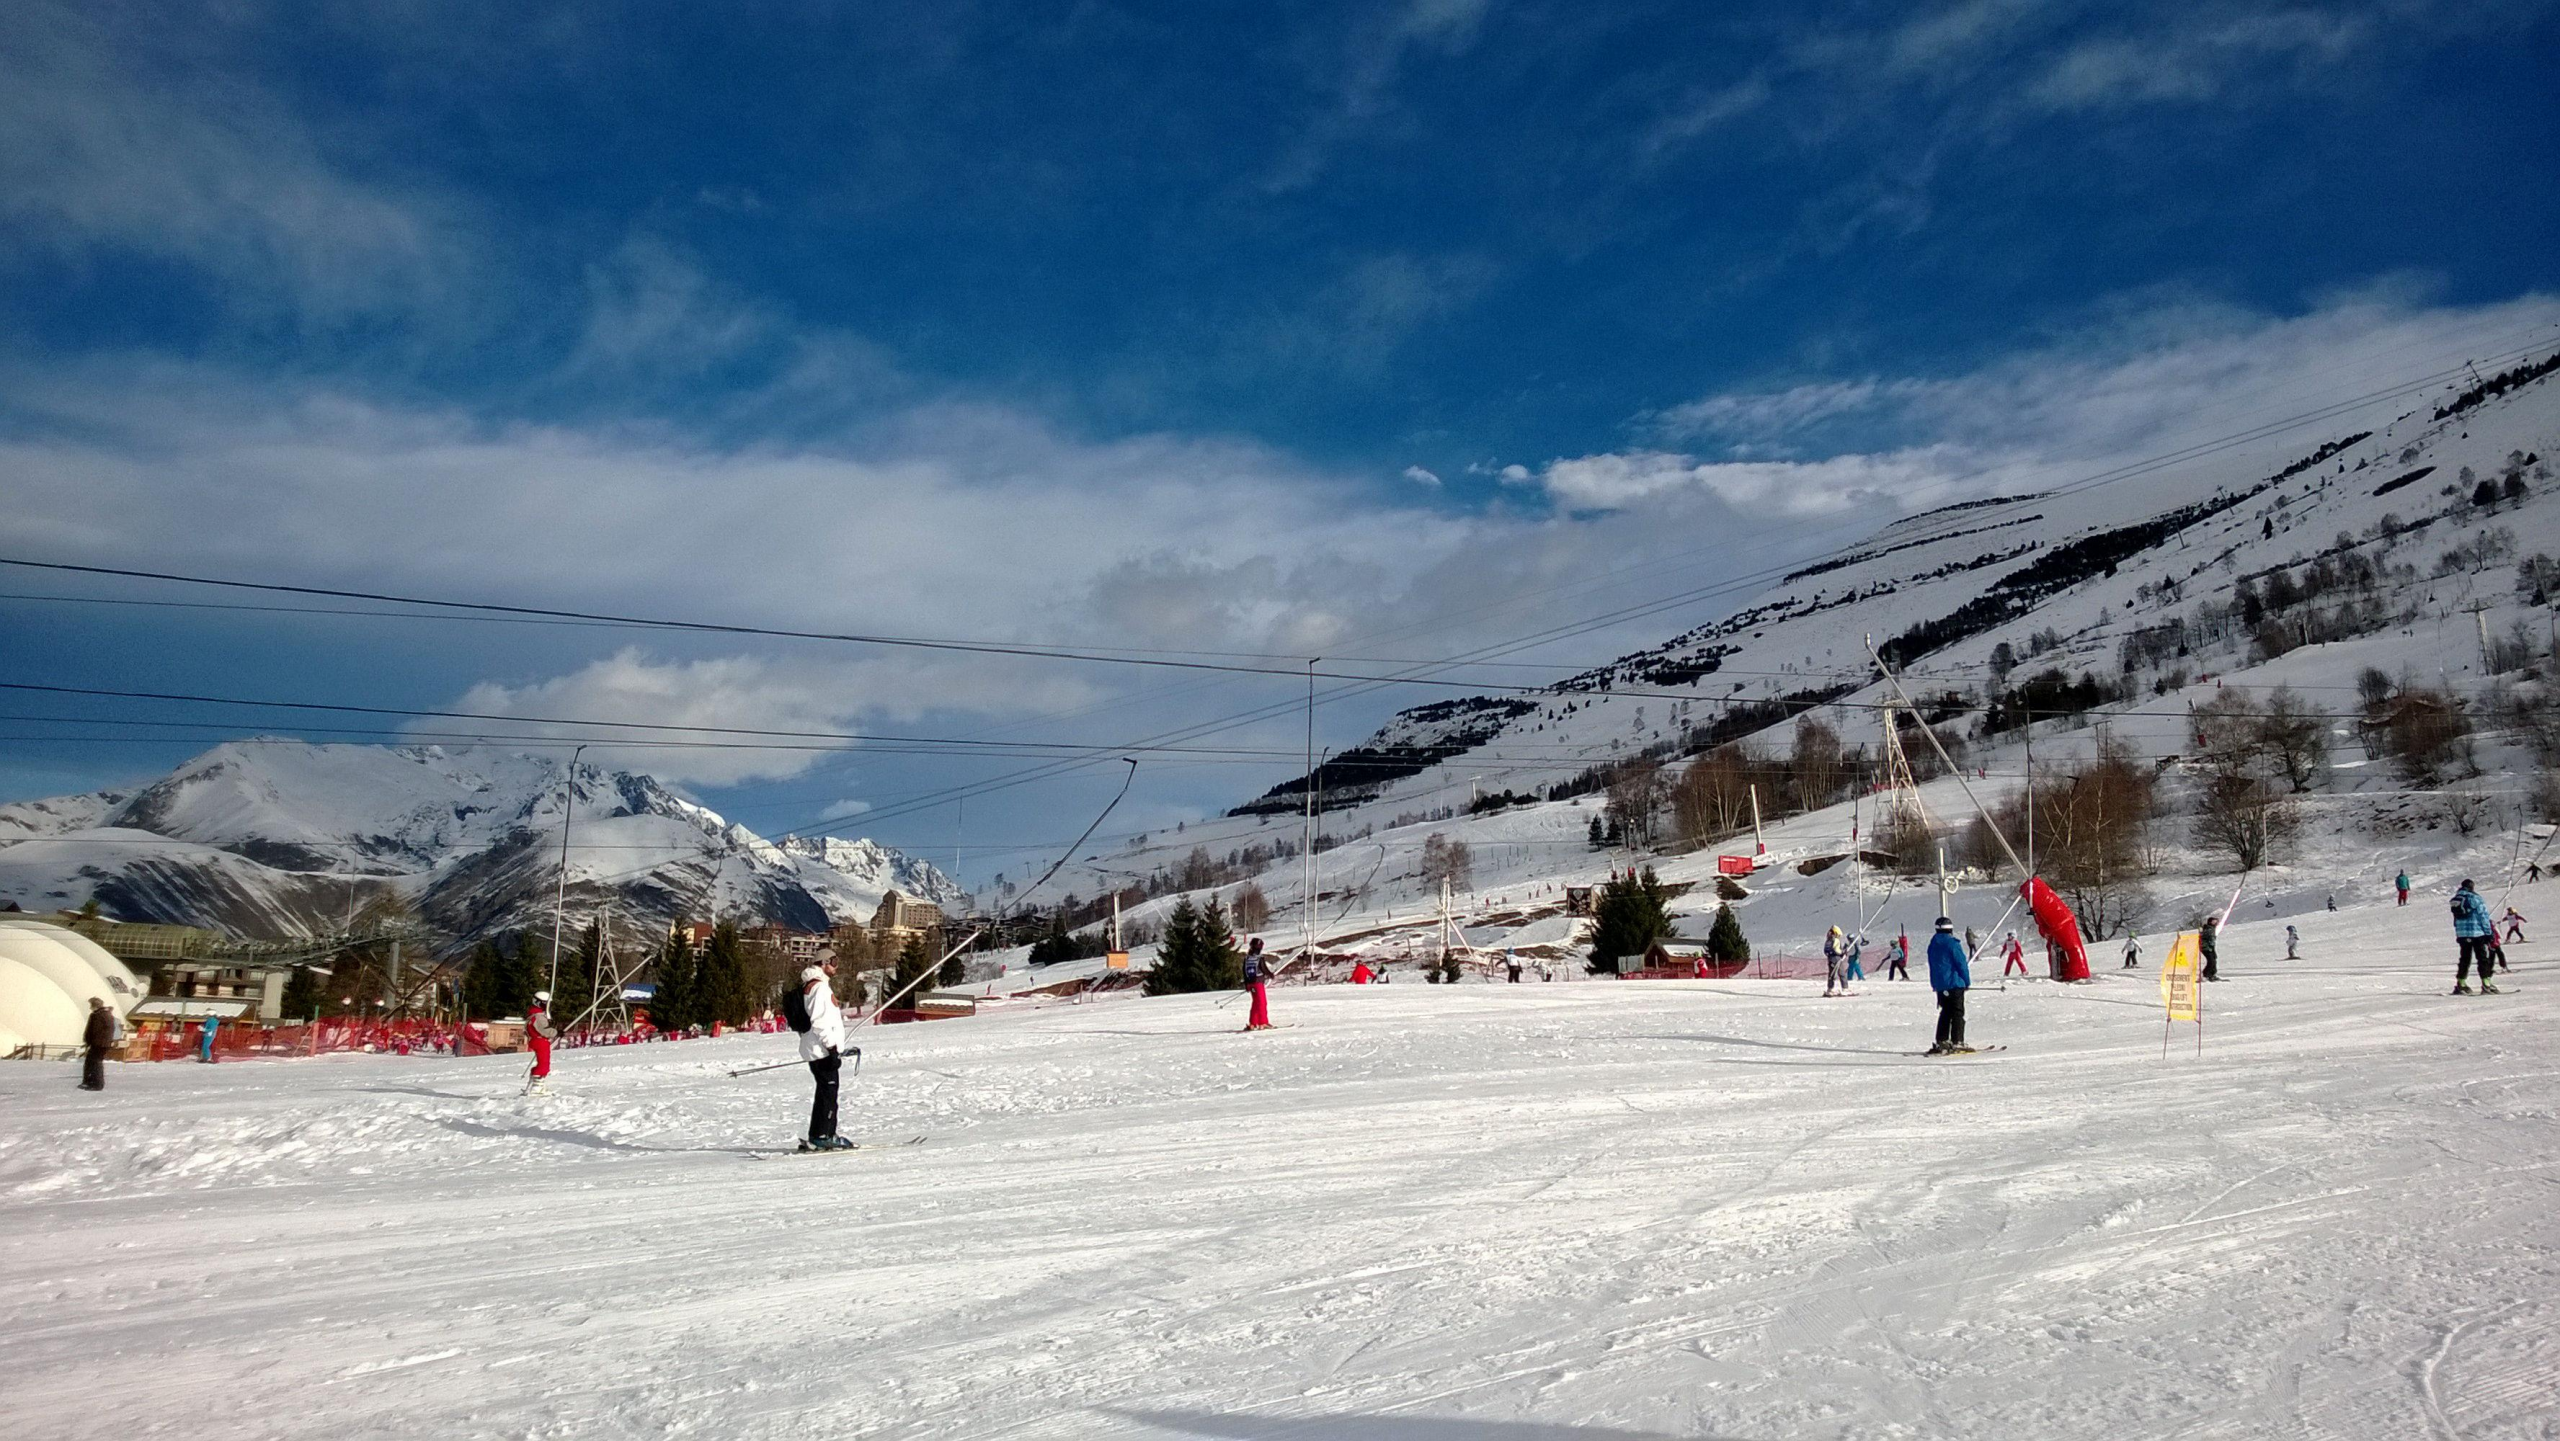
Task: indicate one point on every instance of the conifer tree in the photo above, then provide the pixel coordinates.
(728, 992)
(914, 959)
(1196, 952)
(1725, 941)
(1629, 915)
(481, 982)
(671, 1007)
(521, 976)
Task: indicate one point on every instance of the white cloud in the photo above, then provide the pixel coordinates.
(844, 809)
(2163, 373)
(1420, 476)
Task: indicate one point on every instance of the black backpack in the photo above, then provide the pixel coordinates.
(795, 1008)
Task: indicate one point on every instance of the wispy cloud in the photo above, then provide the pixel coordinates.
(1358, 80)
(110, 145)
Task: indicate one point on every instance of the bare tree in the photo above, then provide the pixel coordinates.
(1636, 793)
(1819, 767)
(2240, 810)
(1252, 909)
(1446, 860)
(1713, 797)
(2427, 733)
(2297, 737)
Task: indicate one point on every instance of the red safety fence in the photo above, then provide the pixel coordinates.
(1758, 968)
(249, 1040)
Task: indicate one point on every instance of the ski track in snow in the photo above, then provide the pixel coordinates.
(1559, 1212)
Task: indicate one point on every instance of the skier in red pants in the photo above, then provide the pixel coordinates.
(2014, 957)
(538, 1032)
(1257, 973)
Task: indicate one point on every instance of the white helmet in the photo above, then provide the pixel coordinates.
(542, 998)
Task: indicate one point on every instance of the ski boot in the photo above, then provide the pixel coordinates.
(2462, 988)
(2488, 988)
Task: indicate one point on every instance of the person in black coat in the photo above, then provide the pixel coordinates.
(99, 1038)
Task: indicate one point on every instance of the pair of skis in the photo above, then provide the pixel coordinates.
(855, 1149)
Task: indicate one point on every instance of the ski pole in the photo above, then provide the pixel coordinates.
(853, 1051)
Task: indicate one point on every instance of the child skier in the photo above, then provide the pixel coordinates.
(2403, 883)
(1853, 971)
(2014, 956)
(2132, 950)
(2292, 944)
(2514, 924)
(1897, 958)
(2473, 935)
(822, 1046)
(1950, 976)
(204, 1039)
(1834, 947)
(1256, 974)
(539, 1033)
(2205, 942)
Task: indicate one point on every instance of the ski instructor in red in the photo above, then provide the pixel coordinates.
(539, 1032)
(1257, 974)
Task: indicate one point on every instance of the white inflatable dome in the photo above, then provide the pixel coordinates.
(35, 1009)
(47, 976)
(57, 963)
(125, 990)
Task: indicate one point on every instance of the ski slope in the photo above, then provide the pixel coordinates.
(1531, 1213)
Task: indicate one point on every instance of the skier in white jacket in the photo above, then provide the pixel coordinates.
(822, 1046)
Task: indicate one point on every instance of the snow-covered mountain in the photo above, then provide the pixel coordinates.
(280, 837)
(2059, 578)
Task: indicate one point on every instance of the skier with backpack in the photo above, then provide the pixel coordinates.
(1950, 975)
(811, 1011)
(1257, 974)
(2474, 936)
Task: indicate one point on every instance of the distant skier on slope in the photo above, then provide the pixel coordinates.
(1257, 976)
(2473, 939)
(2013, 956)
(2292, 944)
(1897, 958)
(1360, 973)
(1852, 971)
(204, 1039)
(539, 1033)
(2403, 883)
(2132, 950)
(822, 1046)
(2206, 942)
(2514, 922)
(1950, 975)
(1834, 947)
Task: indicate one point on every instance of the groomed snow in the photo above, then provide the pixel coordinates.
(1529, 1213)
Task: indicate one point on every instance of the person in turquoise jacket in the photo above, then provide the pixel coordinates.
(204, 1041)
(1950, 975)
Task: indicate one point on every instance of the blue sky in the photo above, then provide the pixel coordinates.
(1251, 329)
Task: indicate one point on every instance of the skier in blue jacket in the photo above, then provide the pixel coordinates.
(1950, 975)
(2474, 939)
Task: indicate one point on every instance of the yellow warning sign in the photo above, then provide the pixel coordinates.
(1119, 960)
(2180, 991)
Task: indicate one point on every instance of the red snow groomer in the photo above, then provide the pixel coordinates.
(2061, 930)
